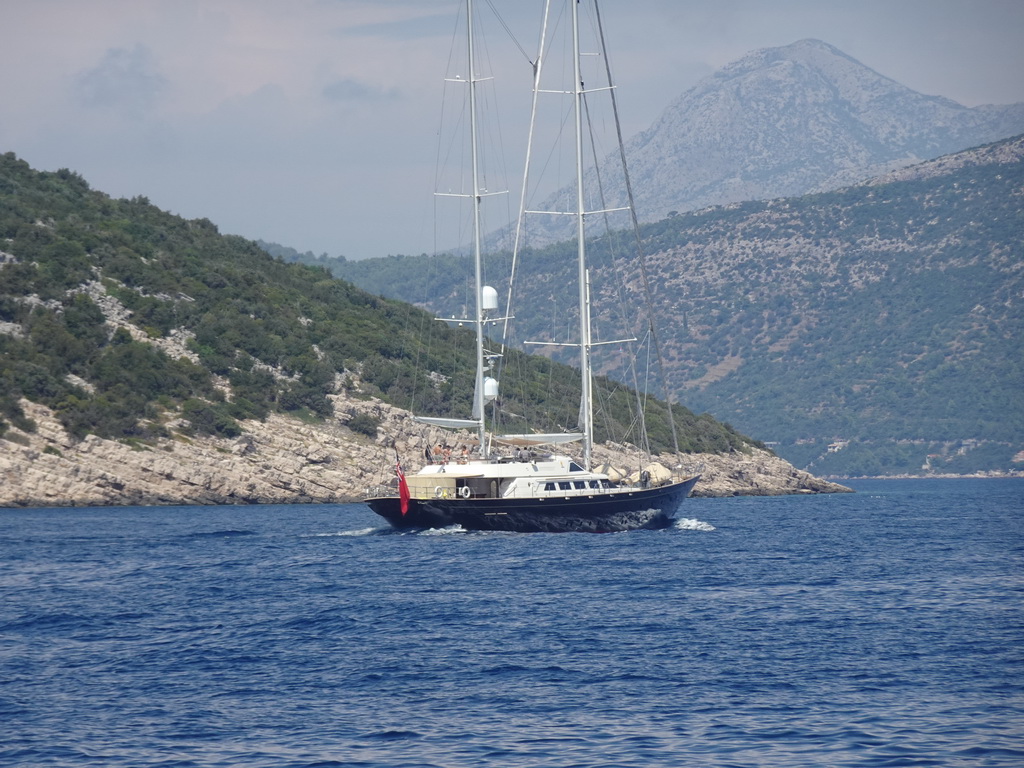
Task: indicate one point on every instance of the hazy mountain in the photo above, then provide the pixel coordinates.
(788, 121)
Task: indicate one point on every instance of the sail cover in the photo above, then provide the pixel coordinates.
(552, 438)
(447, 423)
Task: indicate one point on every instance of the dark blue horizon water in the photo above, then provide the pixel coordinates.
(883, 628)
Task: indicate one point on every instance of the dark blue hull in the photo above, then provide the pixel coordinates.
(647, 508)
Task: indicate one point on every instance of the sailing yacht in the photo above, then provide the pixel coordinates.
(522, 482)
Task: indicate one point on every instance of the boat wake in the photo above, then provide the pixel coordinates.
(691, 524)
(379, 531)
(446, 531)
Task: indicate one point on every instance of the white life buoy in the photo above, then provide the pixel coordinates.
(438, 492)
(464, 492)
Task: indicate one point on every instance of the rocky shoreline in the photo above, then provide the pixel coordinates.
(286, 461)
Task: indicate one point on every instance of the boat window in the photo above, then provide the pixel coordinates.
(606, 484)
(594, 484)
(565, 485)
(579, 485)
(549, 486)
(574, 467)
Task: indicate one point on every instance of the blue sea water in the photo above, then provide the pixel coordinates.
(884, 628)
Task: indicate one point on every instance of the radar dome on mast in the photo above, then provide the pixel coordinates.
(488, 299)
(490, 389)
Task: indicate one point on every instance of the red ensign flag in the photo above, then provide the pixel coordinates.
(403, 490)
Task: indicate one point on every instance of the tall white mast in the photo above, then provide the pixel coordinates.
(485, 388)
(478, 398)
(586, 404)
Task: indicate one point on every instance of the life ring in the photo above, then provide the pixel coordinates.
(439, 492)
(464, 492)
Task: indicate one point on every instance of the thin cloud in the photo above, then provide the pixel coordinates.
(127, 81)
(404, 29)
(348, 90)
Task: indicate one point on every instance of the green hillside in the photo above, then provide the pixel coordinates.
(131, 323)
(873, 330)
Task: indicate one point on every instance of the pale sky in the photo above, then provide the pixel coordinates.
(314, 123)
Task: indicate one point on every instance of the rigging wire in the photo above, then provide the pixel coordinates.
(509, 31)
(517, 239)
(639, 244)
(620, 282)
(639, 415)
